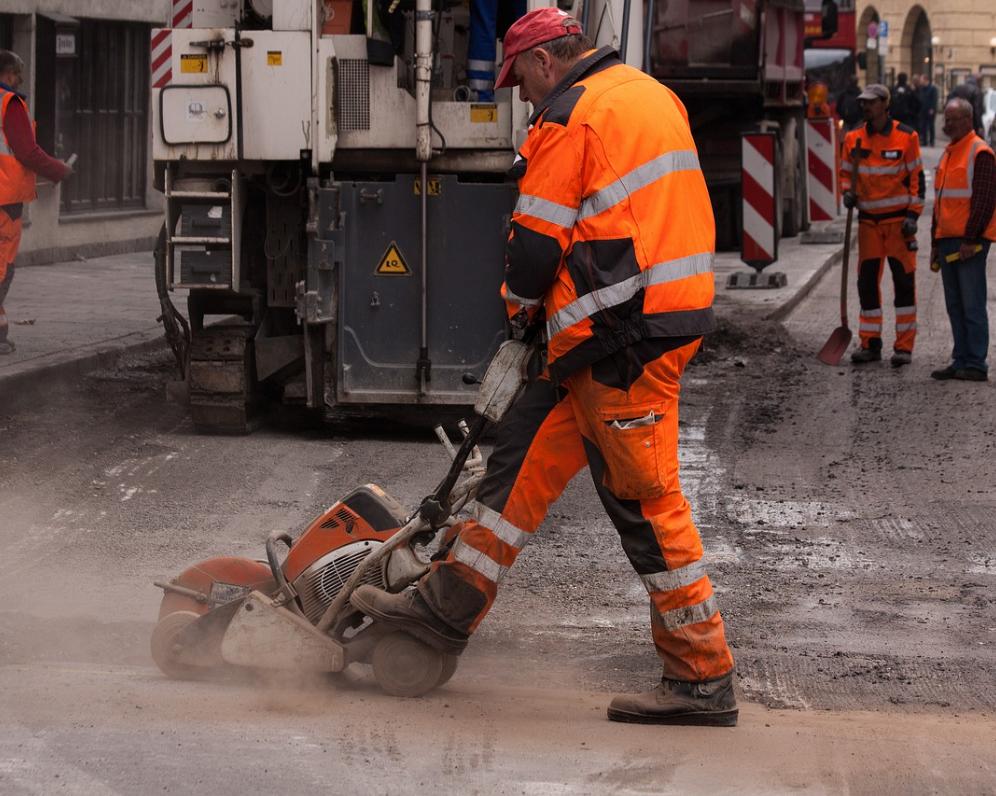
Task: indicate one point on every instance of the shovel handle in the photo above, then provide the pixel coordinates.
(855, 160)
(843, 269)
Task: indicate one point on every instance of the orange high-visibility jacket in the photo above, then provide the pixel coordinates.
(613, 232)
(953, 188)
(890, 182)
(17, 183)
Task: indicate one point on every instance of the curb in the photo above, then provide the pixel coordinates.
(71, 367)
(781, 312)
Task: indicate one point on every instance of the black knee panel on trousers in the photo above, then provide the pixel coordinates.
(868, 276)
(904, 283)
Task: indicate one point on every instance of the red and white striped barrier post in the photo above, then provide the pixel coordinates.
(821, 181)
(759, 239)
(821, 169)
(759, 242)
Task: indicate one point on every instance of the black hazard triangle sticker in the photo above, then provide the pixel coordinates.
(393, 262)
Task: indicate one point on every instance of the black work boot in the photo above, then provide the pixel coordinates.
(943, 374)
(407, 611)
(871, 354)
(900, 358)
(710, 704)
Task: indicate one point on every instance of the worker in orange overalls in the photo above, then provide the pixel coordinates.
(20, 159)
(612, 240)
(888, 190)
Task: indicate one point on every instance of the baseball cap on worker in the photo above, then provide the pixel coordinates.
(536, 27)
(874, 91)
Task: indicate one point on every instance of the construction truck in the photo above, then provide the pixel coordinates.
(337, 198)
(737, 65)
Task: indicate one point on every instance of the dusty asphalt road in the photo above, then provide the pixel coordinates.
(847, 518)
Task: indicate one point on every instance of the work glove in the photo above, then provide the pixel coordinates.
(518, 324)
(909, 227)
(850, 199)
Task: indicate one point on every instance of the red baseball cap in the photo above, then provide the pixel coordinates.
(536, 27)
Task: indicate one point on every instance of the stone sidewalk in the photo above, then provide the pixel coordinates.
(71, 317)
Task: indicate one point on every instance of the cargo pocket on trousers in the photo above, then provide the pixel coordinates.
(633, 441)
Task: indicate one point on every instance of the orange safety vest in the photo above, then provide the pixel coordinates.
(953, 188)
(17, 183)
(610, 183)
(890, 181)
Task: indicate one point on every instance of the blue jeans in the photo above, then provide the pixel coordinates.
(965, 298)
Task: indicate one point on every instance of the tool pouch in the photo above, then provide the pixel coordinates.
(637, 448)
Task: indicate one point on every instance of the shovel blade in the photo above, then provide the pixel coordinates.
(834, 348)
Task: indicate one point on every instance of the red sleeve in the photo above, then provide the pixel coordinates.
(21, 138)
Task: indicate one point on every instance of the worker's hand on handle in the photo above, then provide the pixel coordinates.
(850, 199)
(909, 227)
(967, 250)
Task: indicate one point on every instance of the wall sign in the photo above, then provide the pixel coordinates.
(65, 44)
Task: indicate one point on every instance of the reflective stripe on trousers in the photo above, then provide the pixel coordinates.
(545, 439)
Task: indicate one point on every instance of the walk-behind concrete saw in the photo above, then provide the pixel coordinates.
(295, 614)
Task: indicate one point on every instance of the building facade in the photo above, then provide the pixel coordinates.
(947, 40)
(87, 81)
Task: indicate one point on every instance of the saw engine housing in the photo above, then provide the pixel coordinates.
(326, 554)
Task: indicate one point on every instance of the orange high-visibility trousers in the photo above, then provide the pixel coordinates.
(628, 435)
(10, 240)
(878, 242)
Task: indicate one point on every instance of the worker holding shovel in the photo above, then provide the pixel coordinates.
(882, 175)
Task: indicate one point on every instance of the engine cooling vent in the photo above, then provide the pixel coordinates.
(319, 584)
(353, 94)
(343, 517)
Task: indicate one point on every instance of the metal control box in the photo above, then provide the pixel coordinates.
(380, 309)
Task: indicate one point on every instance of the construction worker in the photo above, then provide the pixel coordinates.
(612, 242)
(888, 191)
(20, 159)
(964, 226)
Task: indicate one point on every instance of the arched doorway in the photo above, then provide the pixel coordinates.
(868, 43)
(917, 56)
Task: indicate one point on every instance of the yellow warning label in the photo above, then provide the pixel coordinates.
(483, 113)
(274, 58)
(393, 262)
(435, 187)
(196, 63)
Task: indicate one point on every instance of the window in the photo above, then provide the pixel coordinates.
(101, 113)
(6, 31)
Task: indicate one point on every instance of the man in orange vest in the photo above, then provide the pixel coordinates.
(888, 190)
(612, 242)
(20, 159)
(964, 225)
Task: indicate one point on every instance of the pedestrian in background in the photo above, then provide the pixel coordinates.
(20, 160)
(612, 239)
(848, 107)
(882, 175)
(905, 106)
(963, 227)
(927, 94)
(972, 94)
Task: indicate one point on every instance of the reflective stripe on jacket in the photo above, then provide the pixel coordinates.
(17, 183)
(613, 230)
(953, 188)
(890, 180)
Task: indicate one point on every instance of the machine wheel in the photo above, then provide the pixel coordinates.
(165, 650)
(449, 669)
(406, 667)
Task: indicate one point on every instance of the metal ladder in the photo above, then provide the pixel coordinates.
(234, 198)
